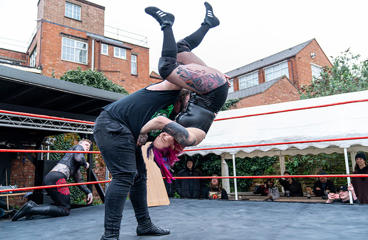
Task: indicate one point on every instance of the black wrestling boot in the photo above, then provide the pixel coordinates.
(163, 18)
(149, 229)
(24, 210)
(52, 211)
(210, 17)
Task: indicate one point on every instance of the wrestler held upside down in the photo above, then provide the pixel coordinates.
(209, 87)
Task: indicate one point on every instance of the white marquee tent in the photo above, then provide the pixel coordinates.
(337, 123)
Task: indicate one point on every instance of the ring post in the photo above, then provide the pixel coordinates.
(348, 172)
(235, 182)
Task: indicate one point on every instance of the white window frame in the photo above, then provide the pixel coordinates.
(33, 57)
(104, 49)
(70, 52)
(274, 71)
(231, 88)
(315, 66)
(134, 64)
(120, 52)
(73, 11)
(248, 80)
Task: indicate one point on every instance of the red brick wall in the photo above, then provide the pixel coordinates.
(35, 45)
(303, 62)
(115, 69)
(22, 175)
(51, 50)
(119, 70)
(282, 91)
(92, 17)
(14, 55)
(100, 171)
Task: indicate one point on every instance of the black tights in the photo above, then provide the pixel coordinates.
(170, 48)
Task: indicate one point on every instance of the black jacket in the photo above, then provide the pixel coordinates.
(188, 188)
(361, 185)
(295, 187)
(328, 186)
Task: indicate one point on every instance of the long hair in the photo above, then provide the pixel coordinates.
(165, 158)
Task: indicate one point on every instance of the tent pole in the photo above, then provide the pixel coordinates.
(225, 173)
(348, 172)
(352, 155)
(282, 164)
(282, 168)
(235, 182)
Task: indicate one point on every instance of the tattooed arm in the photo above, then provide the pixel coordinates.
(197, 78)
(157, 123)
(184, 136)
(181, 134)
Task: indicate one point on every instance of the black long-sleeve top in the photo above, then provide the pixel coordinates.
(74, 161)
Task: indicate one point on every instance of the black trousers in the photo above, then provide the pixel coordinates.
(126, 165)
(60, 195)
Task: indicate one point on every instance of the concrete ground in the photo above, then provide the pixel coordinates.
(207, 219)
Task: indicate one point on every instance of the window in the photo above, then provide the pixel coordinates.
(32, 58)
(276, 71)
(248, 80)
(119, 52)
(72, 11)
(231, 88)
(316, 71)
(133, 65)
(73, 50)
(104, 49)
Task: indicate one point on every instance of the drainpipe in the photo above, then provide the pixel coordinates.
(93, 55)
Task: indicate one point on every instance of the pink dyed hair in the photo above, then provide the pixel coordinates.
(166, 156)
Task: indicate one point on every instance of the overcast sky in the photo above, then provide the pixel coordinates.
(249, 30)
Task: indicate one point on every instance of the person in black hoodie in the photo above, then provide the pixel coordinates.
(292, 187)
(361, 184)
(189, 188)
(322, 187)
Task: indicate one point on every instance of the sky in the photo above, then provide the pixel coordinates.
(249, 30)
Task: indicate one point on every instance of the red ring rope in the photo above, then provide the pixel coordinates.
(46, 117)
(52, 186)
(196, 177)
(293, 109)
(189, 150)
(219, 119)
(46, 151)
(278, 143)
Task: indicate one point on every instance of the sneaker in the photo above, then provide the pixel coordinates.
(163, 18)
(210, 17)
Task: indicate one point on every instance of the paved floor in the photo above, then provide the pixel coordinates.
(208, 219)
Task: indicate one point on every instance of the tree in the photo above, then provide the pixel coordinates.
(92, 79)
(229, 103)
(347, 74)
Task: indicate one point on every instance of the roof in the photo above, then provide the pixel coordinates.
(108, 40)
(257, 89)
(44, 95)
(261, 134)
(278, 57)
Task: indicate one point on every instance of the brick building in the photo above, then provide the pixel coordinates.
(277, 78)
(70, 34)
